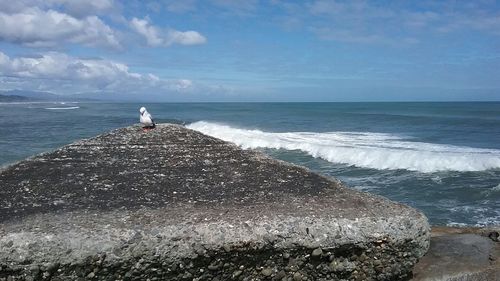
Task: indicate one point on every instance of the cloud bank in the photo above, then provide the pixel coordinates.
(65, 74)
(66, 25)
(51, 23)
(37, 28)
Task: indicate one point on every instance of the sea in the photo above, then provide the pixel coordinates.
(442, 158)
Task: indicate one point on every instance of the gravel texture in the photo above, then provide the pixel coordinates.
(174, 204)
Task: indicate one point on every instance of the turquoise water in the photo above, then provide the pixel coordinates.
(443, 158)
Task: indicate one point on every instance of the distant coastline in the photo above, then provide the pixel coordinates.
(15, 98)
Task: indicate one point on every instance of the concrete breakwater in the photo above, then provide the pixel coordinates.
(174, 204)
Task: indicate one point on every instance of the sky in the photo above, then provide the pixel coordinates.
(251, 50)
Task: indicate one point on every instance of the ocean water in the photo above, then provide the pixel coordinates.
(442, 158)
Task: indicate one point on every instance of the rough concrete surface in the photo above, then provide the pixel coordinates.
(461, 254)
(174, 204)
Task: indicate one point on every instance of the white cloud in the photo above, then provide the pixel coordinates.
(61, 73)
(185, 37)
(149, 32)
(8, 6)
(77, 8)
(157, 37)
(34, 27)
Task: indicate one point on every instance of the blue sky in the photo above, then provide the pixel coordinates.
(221, 50)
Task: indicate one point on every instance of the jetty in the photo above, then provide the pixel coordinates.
(174, 204)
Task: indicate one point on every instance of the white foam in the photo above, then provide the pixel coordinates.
(62, 108)
(369, 150)
(456, 224)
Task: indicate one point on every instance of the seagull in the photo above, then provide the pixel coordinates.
(146, 119)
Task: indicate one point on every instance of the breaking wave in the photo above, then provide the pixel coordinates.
(367, 150)
(62, 108)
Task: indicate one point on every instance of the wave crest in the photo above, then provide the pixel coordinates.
(62, 108)
(367, 150)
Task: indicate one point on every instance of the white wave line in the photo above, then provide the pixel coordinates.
(369, 150)
(62, 108)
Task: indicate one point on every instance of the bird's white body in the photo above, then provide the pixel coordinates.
(145, 117)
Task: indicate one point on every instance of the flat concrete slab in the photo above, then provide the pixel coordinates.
(461, 254)
(175, 204)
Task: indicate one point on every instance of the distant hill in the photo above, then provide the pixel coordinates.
(21, 95)
(33, 95)
(14, 98)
